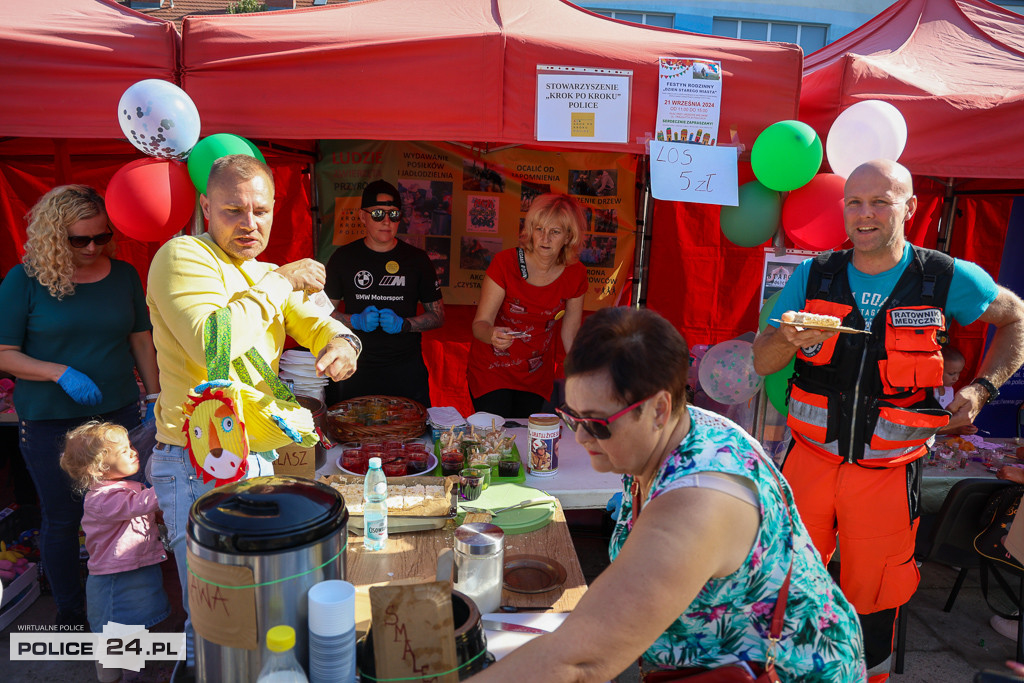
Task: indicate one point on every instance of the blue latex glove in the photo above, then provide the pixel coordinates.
(150, 407)
(366, 321)
(80, 388)
(390, 321)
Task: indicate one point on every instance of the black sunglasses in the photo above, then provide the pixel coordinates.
(378, 214)
(82, 241)
(597, 427)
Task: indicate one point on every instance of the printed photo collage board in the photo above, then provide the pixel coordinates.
(462, 206)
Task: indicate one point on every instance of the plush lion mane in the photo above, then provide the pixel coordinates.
(191, 403)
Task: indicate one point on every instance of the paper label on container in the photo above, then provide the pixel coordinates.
(296, 460)
(222, 603)
(414, 631)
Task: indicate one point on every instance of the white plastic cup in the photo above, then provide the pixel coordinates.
(332, 608)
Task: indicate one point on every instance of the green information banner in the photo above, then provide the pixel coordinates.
(462, 206)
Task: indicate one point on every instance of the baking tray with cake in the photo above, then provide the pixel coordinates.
(414, 503)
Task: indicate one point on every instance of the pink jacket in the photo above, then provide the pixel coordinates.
(120, 527)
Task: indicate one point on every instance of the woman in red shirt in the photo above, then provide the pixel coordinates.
(525, 292)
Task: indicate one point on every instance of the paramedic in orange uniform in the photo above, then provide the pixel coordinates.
(862, 406)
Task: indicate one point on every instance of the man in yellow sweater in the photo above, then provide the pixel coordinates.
(193, 277)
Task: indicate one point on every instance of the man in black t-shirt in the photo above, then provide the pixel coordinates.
(381, 280)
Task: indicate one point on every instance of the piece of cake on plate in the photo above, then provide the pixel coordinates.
(805, 318)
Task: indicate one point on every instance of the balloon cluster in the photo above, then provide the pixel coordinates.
(786, 158)
(151, 199)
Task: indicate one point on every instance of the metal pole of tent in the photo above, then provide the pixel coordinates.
(314, 208)
(642, 247)
(949, 202)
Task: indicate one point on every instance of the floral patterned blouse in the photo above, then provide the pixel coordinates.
(730, 617)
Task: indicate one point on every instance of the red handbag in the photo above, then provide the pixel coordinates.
(729, 673)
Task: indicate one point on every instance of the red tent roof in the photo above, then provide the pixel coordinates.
(954, 68)
(64, 64)
(437, 70)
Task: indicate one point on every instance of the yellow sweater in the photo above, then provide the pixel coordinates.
(190, 278)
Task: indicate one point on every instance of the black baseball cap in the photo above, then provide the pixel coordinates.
(377, 187)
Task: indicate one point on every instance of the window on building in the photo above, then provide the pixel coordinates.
(648, 18)
(810, 37)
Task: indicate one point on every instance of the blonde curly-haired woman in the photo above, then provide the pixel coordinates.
(74, 329)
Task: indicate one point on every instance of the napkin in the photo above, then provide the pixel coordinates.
(500, 643)
(445, 416)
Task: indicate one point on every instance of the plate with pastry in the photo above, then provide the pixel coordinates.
(817, 321)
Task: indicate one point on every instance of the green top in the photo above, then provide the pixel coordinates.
(87, 330)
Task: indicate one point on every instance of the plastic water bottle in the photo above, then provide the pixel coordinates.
(281, 665)
(375, 507)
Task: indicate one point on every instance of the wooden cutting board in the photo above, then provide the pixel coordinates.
(514, 521)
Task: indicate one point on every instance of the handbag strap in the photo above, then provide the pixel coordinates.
(779, 613)
(217, 347)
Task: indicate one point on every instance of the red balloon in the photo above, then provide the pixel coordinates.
(151, 199)
(812, 215)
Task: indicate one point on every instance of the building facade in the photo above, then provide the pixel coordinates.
(811, 24)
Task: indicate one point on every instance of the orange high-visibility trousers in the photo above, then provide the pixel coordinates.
(869, 512)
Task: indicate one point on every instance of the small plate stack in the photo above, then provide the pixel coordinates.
(298, 369)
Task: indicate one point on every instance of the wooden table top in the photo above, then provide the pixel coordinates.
(413, 557)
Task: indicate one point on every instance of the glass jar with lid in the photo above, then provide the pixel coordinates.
(479, 563)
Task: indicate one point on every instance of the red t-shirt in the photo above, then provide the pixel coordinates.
(528, 364)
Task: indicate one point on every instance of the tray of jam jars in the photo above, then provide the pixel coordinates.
(408, 458)
(505, 466)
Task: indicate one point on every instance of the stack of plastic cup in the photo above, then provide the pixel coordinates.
(332, 632)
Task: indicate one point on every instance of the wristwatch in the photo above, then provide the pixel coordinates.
(993, 392)
(353, 341)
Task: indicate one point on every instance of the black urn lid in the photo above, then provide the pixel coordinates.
(266, 514)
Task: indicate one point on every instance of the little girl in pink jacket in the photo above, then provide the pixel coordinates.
(125, 584)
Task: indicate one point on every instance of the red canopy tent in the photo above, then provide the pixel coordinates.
(440, 71)
(955, 70)
(378, 69)
(436, 70)
(63, 67)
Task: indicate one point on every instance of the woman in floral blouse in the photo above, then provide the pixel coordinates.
(698, 559)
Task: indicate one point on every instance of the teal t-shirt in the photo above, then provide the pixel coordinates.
(87, 330)
(970, 293)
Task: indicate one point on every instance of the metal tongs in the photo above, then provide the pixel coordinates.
(524, 504)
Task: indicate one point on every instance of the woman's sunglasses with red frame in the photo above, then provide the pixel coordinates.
(82, 241)
(378, 214)
(597, 427)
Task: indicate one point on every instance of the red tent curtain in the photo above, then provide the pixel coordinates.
(979, 231)
(24, 178)
(702, 283)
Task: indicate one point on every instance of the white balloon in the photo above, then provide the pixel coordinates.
(159, 119)
(727, 374)
(863, 132)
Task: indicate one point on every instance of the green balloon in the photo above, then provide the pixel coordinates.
(213, 147)
(755, 219)
(776, 385)
(786, 155)
(254, 149)
(766, 311)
